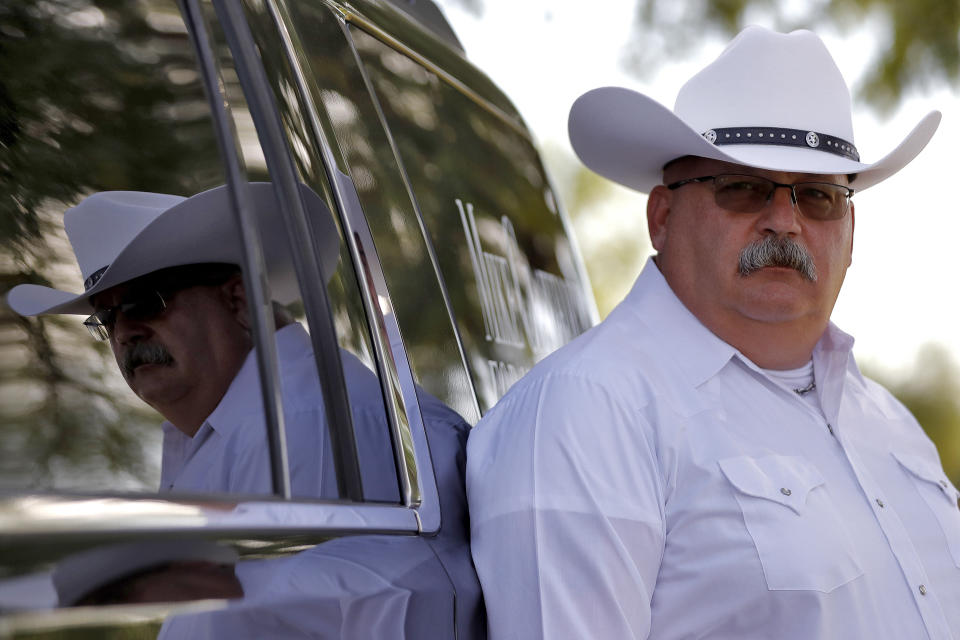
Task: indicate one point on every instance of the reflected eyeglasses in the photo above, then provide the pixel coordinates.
(145, 305)
(750, 194)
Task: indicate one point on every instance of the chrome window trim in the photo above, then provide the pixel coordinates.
(418, 489)
(361, 245)
(410, 492)
(263, 110)
(411, 429)
(39, 517)
(262, 322)
(60, 622)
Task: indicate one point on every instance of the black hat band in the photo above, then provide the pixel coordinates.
(783, 137)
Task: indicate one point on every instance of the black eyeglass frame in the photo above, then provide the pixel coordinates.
(848, 192)
(100, 323)
(163, 284)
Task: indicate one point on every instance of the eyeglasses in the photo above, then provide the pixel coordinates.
(749, 194)
(141, 306)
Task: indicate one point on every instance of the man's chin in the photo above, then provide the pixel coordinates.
(149, 380)
(778, 301)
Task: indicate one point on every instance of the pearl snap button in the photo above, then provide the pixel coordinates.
(785, 491)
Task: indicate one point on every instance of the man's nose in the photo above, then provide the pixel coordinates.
(781, 215)
(126, 331)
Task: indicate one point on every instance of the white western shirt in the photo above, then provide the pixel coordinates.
(648, 480)
(229, 453)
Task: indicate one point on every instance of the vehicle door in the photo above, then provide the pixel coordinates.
(349, 522)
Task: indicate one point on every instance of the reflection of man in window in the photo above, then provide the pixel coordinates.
(161, 279)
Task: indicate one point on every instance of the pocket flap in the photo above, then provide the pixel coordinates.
(785, 480)
(927, 471)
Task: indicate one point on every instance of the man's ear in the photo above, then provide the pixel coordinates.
(658, 209)
(235, 297)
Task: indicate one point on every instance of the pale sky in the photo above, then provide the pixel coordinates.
(900, 292)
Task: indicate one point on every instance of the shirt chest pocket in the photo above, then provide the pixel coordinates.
(793, 523)
(939, 494)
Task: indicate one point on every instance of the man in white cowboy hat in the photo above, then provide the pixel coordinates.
(708, 462)
(162, 284)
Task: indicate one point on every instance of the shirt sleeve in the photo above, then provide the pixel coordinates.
(567, 526)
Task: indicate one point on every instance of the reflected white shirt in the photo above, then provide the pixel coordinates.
(229, 453)
(648, 480)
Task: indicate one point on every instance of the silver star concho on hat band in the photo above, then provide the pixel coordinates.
(783, 137)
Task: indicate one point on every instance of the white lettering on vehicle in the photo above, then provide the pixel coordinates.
(549, 315)
(504, 375)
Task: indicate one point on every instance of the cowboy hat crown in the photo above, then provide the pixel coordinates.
(770, 100)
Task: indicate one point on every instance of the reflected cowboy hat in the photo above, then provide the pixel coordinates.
(770, 100)
(121, 235)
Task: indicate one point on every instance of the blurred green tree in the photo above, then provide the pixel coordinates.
(931, 390)
(609, 222)
(917, 43)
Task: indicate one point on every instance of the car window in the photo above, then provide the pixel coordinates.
(92, 100)
(371, 424)
(490, 214)
(101, 505)
(187, 415)
(363, 151)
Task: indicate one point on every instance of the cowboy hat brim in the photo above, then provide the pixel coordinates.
(628, 137)
(200, 229)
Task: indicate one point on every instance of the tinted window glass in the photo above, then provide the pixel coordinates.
(118, 106)
(487, 206)
(370, 422)
(351, 121)
(91, 99)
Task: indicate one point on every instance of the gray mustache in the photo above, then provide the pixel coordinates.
(777, 251)
(143, 353)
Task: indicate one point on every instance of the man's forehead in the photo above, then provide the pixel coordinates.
(694, 166)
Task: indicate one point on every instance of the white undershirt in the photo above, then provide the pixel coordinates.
(794, 379)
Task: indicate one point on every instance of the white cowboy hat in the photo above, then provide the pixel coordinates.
(121, 235)
(770, 100)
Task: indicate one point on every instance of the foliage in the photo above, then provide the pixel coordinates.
(931, 390)
(609, 223)
(917, 41)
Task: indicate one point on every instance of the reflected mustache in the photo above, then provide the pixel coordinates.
(143, 353)
(777, 251)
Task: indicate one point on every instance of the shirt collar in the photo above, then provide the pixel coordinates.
(677, 333)
(244, 397)
(699, 353)
(832, 361)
